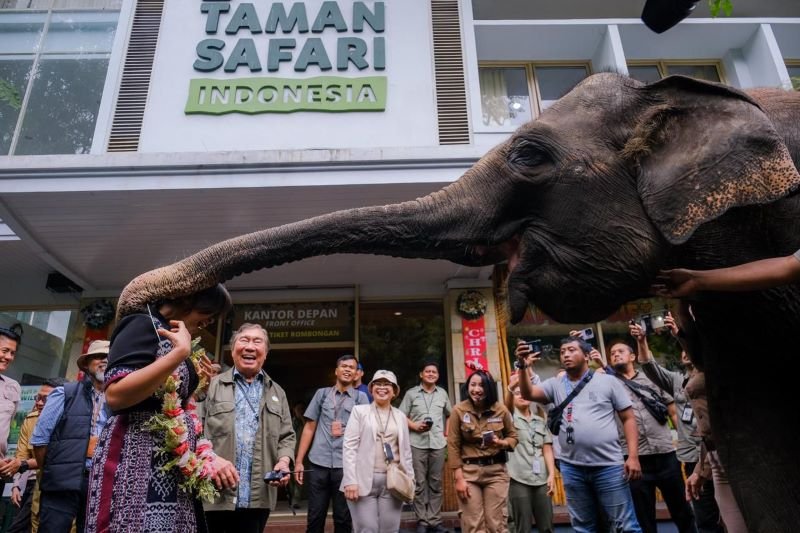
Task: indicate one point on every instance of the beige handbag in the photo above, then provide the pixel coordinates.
(399, 484)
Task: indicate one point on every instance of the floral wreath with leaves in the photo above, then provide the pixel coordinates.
(196, 467)
(471, 305)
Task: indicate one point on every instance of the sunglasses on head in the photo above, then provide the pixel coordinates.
(13, 332)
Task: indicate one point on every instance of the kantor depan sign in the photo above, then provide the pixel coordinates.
(270, 35)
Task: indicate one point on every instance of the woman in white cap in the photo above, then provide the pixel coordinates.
(376, 436)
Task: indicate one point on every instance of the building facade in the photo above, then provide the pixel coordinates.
(136, 132)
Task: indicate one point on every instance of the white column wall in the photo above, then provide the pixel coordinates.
(763, 56)
(609, 56)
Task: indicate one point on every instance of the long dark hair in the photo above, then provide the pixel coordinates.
(212, 301)
(489, 388)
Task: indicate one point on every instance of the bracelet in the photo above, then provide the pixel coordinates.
(519, 365)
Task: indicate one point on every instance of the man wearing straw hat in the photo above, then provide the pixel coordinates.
(64, 441)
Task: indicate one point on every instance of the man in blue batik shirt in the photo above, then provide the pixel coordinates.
(247, 419)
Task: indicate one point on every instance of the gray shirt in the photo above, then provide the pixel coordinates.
(330, 404)
(654, 438)
(592, 418)
(417, 404)
(674, 383)
(526, 463)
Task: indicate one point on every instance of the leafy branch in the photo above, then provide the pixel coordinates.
(10, 95)
(725, 5)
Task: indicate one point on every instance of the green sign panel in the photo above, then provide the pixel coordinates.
(209, 96)
(292, 323)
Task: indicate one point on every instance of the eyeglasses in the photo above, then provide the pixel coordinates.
(40, 398)
(382, 384)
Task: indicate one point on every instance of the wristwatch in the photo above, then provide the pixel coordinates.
(519, 364)
(23, 467)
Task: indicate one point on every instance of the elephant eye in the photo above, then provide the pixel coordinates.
(526, 155)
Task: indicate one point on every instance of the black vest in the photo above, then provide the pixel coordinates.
(65, 461)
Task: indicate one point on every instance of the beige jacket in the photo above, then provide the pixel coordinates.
(275, 437)
(360, 440)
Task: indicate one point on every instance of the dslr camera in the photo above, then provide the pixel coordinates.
(273, 475)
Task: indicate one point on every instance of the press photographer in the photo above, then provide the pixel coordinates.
(660, 466)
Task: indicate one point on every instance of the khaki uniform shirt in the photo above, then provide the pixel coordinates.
(653, 437)
(9, 399)
(417, 404)
(526, 463)
(466, 426)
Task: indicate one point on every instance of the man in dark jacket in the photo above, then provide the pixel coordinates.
(64, 441)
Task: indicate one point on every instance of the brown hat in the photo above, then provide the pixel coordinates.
(97, 350)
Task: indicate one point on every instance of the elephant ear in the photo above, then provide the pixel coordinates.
(701, 149)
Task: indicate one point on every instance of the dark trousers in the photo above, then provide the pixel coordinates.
(22, 520)
(323, 486)
(706, 512)
(662, 471)
(238, 521)
(58, 509)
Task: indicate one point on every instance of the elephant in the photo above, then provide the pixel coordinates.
(614, 182)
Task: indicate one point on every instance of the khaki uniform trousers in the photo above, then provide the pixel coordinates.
(486, 510)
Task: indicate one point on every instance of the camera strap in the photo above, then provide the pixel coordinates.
(648, 402)
(556, 412)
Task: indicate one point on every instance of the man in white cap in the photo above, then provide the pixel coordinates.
(64, 441)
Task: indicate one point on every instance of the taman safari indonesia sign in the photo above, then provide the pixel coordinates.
(268, 40)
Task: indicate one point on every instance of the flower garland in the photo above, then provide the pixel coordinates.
(196, 467)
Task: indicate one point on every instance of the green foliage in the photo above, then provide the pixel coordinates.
(795, 82)
(10, 95)
(725, 5)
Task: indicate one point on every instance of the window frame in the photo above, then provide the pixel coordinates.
(533, 84)
(38, 53)
(793, 63)
(662, 65)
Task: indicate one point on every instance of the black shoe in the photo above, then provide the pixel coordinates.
(438, 529)
(422, 528)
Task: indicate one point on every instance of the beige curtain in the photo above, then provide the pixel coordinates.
(494, 96)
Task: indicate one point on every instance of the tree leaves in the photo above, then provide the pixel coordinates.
(10, 95)
(725, 5)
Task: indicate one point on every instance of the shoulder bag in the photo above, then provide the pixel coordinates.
(399, 484)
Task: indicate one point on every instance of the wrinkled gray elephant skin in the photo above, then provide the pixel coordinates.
(612, 183)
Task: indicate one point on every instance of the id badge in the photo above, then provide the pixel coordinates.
(336, 428)
(92, 445)
(537, 466)
(687, 415)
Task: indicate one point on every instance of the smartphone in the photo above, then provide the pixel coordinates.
(387, 452)
(487, 437)
(535, 345)
(586, 334)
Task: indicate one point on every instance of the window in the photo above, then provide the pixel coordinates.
(41, 353)
(400, 336)
(794, 73)
(650, 71)
(506, 101)
(52, 71)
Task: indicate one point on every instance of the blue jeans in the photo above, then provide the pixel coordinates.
(588, 486)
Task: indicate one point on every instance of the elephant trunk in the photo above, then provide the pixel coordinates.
(457, 223)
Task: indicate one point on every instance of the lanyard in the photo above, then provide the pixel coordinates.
(97, 404)
(425, 400)
(337, 406)
(246, 397)
(385, 424)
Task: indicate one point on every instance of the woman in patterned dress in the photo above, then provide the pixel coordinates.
(128, 490)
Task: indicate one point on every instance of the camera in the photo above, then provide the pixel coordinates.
(273, 475)
(428, 421)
